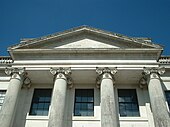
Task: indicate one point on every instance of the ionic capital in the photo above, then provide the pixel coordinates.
(11, 71)
(158, 70)
(105, 73)
(19, 73)
(150, 73)
(154, 72)
(101, 71)
(62, 73)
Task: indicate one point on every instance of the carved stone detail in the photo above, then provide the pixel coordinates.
(65, 71)
(11, 71)
(158, 70)
(16, 73)
(26, 81)
(143, 82)
(105, 73)
(153, 72)
(62, 73)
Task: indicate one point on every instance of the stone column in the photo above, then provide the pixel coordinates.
(157, 98)
(109, 114)
(7, 112)
(56, 116)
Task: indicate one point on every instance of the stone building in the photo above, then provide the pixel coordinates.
(85, 77)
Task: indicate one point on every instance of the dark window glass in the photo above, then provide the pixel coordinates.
(2, 97)
(128, 102)
(41, 102)
(84, 102)
(167, 94)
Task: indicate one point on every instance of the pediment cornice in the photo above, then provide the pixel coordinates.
(83, 30)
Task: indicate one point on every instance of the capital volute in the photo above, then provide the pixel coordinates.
(62, 73)
(157, 70)
(19, 73)
(101, 71)
(11, 71)
(65, 71)
(150, 73)
(105, 73)
(16, 73)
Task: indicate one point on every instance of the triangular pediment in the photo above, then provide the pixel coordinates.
(84, 37)
(86, 43)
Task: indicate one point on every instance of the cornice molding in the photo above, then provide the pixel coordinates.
(88, 50)
(86, 29)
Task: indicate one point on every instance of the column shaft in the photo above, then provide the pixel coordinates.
(157, 99)
(7, 112)
(57, 109)
(109, 115)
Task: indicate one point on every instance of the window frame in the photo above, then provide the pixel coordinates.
(167, 98)
(126, 103)
(2, 98)
(34, 101)
(84, 102)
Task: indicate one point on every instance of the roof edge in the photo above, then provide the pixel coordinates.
(142, 40)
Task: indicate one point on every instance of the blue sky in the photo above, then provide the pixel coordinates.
(35, 18)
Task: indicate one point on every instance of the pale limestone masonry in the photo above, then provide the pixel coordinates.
(85, 58)
(109, 113)
(56, 118)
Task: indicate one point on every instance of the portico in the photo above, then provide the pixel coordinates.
(85, 78)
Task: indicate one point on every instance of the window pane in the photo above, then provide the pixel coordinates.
(90, 106)
(78, 99)
(40, 105)
(41, 102)
(2, 97)
(128, 106)
(41, 99)
(167, 94)
(90, 99)
(90, 113)
(39, 112)
(34, 105)
(135, 113)
(46, 105)
(121, 99)
(134, 106)
(84, 113)
(84, 102)
(128, 99)
(77, 105)
(84, 106)
(77, 112)
(128, 103)
(45, 113)
(84, 99)
(47, 99)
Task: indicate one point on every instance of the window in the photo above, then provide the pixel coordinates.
(41, 102)
(128, 103)
(84, 102)
(167, 94)
(2, 97)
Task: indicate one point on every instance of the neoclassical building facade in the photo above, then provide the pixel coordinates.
(85, 77)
